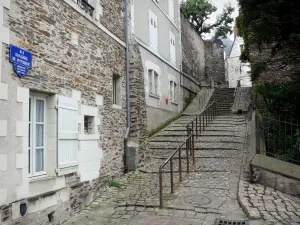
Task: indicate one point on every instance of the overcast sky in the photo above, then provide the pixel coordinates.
(220, 5)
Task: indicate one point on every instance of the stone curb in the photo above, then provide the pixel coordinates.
(251, 212)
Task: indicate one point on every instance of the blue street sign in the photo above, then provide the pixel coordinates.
(21, 59)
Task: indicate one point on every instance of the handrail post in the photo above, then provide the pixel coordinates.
(197, 126)
(180, 166)
(187, 156)
(160, 189)
(171, 175)
(193, 148)
(203, 121)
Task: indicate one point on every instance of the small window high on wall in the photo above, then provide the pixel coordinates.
(116, 90)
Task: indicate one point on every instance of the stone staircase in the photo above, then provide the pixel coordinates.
(222, 136)
(224, 98)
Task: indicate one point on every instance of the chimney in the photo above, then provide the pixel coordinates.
(234, 31)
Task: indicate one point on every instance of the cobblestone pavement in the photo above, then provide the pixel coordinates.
(273, 206)
(207, 193)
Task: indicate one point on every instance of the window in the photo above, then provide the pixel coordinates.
(116, 90)
(173, 89)
(153, 31)
(172, 48)
(89, 124)
(153, 82)
(86, 6)
(171, 9)
(36, 135)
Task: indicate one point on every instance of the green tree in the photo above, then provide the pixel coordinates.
(198, 13)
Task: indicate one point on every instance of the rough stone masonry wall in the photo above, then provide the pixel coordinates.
(273, 65)
(193, 59)
(215, 63)
(139, 125)
(87, 64)
(69, 53)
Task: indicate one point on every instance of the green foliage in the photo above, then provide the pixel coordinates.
(279, 112)
(284, 100)
(198, 13)
(270, 21)
(114, 183)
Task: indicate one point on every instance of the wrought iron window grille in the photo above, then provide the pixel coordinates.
(86, 6)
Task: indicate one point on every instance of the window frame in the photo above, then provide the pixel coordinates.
(116, 90)
(173, 91)
(153, 82)
(32, 138)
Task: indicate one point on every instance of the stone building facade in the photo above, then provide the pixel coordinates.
(202, 60)
(156, 28)
(62, 126)
(238, 73)
(215, 63)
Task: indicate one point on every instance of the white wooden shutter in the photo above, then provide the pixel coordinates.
(172, 48)
(171, 9)
(153, 30)
(67, 135)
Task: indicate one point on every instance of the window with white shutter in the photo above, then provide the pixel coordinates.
(172, 48)
(153, 31)
(37, 135)
(67, 135)
(171, 9)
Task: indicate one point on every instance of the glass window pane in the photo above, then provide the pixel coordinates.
(29, 161)
(39, 111)
(39, 135)
(29, 109)
(29, 131)
(39, 160)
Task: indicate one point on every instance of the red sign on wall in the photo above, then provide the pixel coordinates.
(167, 101)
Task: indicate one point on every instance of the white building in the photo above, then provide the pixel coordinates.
(237, 71)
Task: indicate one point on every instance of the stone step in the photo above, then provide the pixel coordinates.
(202, 133)
(223, 128)
(165, 153)
(201, 164)
(203, 145)
(201, 139)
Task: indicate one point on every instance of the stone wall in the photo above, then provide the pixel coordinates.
(113, 17)
(73, 56)
(193, 53)
(270, 65)
(71, 53)
(139, 124)
(215, 63)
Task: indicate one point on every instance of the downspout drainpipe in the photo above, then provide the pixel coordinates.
(127, 85)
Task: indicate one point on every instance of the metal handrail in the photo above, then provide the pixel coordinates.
(207, 115)
(214, 103)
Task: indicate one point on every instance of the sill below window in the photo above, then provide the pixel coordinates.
(154, 96)
(117, 106)
(174, 103)
(38, 177)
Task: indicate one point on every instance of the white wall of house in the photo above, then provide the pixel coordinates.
(237, 70)
(157, 30)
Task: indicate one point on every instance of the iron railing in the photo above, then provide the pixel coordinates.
(281, 135)
(194, 128)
